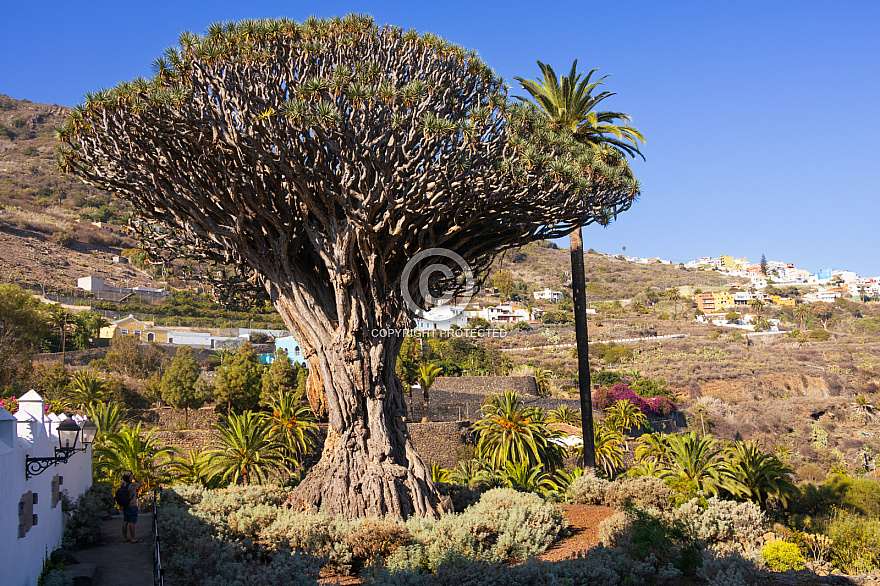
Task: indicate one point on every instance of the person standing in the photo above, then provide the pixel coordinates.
(126, 498)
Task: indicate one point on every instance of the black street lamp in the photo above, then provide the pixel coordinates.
(68, 434)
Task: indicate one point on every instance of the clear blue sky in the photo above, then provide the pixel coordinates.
(761, 118)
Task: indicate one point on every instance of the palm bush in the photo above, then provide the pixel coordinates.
(194, 468)
(512, 432)
(653, 448)
(131, 449)
(694, 465)
(294, 425)
(564, 414)
(472, 473)
(752, 475)
(519, 476)
(108, 418)
(609, 453)
(86, 388)
(246, 449)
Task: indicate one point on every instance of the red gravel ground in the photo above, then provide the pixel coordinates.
(583, 523)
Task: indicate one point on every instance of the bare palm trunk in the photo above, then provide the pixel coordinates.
(579, 293)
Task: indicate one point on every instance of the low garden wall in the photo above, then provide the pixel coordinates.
(524, 385)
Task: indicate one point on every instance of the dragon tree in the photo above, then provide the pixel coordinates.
(309, 163)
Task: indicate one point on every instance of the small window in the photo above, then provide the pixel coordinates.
(137, 333)
(170, 340)
(124, 332)
(296, 351)
(150, 337)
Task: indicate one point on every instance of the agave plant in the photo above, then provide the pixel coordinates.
(247, 450)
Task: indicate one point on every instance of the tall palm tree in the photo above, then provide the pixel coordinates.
(801, 313)
(131, 449)
(59, 318)
(693, 463)
(294, 425)
(674, 295)
(569, 105)
(247, 450)
(752, 475)
(427, 374)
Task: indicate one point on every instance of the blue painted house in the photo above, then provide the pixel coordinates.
(294, 352)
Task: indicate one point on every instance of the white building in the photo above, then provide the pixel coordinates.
(443, 317)
(552, 296)
(31, 519)
(506, 314)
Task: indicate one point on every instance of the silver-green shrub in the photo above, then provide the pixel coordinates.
(587, 490)
(726, 569)
(645, 492)
(723, 521)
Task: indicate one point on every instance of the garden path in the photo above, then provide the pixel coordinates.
(118, 563)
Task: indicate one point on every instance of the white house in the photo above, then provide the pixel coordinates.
(506, 314)
(443, 317)
(552, 296)
(31, 519)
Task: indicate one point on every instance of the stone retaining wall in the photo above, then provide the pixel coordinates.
(440, 443)
(169, 418)
(486, 384)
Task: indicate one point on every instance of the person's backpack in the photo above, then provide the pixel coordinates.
(122, 497)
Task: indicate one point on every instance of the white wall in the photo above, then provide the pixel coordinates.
(31, 433)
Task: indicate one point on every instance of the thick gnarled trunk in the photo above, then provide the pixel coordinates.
(368, 466)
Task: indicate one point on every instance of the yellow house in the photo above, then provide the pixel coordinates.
(727, 261)
(783, 301)
(723, 299)
(144, 330)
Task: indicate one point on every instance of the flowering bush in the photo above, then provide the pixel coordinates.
(605, 397)
(11, 405)
(661, 405)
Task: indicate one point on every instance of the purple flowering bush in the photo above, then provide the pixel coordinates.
(11, 405)
(605, 397)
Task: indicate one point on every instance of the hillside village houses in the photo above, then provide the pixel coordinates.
(446, 317)
(552, 296)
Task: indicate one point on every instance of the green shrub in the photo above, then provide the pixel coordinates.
(781, 556)
(855, 542)
(63, 239)
(84, 526)
(644, 534)
(819, 335)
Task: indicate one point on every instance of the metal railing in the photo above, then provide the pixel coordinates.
(158, 571)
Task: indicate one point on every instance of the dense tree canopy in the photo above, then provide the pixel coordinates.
(312, 161)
